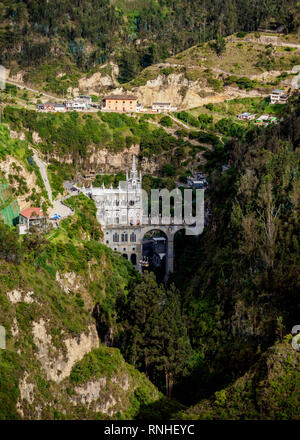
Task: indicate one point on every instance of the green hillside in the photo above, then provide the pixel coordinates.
(54, 286)
(205, 337)
(135, 34)
(89, 337)
(270, 390)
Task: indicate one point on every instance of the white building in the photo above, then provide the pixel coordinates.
(197, 183)
(279, 97)
(86, 99)
(76, 105)
(121, 205)
(163, 107)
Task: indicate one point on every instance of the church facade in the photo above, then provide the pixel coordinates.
(120, 212)
(125, 223)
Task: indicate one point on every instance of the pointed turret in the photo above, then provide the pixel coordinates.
(133, 169)
(133, 172)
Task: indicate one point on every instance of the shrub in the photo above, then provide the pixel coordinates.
(205, 120)
(167, 70)
(166, 121)
(168, 170)
(187, 117)
(241, 34)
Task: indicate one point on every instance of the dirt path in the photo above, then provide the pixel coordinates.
(43, 170)
(58, 206)
(180, 123)
(23, 86)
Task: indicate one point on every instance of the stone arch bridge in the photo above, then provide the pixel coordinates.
(128, 240)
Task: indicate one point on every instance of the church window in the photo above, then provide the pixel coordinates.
(133, 237)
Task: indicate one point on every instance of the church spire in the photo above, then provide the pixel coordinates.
(133, 172)
(133, 169)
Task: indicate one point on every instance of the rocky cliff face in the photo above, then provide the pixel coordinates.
(99, 82)
(177, 90)
(105, 161)
(22, 181)
(55, 366)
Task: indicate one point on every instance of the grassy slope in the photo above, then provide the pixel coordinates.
(19, 150)
(101, 275)
(269, 390)
(241, 57)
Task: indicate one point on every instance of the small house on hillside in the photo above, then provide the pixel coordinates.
(279, 97)
(246, 116)
(266, 120)
(76, 105)
(51, 107)
(162, 107)
(197, 183)
(86, 99)
(31, 217)
(120, 103)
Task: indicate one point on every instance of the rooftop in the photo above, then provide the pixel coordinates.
(32, 212)
(56, 104)
(123, 97)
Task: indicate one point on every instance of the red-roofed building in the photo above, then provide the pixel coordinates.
(120, 103)
(31, 217)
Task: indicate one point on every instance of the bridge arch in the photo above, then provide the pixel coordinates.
(133, 259)
(179, 238)
(154, 241)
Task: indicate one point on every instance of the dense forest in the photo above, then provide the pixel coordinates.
(232, 296)
(88, 33)
(214, 341)
(236, 285)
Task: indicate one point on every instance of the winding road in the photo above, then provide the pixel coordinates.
(58, 206)
(23, 86)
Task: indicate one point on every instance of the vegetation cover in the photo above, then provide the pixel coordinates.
(134, 34)
(235, 293)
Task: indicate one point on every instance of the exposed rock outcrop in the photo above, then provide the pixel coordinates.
(56, 363)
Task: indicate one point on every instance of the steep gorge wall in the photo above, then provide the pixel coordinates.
(105, 161)
(50, 365)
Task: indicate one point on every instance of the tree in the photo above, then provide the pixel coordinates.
(174, 349)
(9, 246)
(219, 44)
(155, 337)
